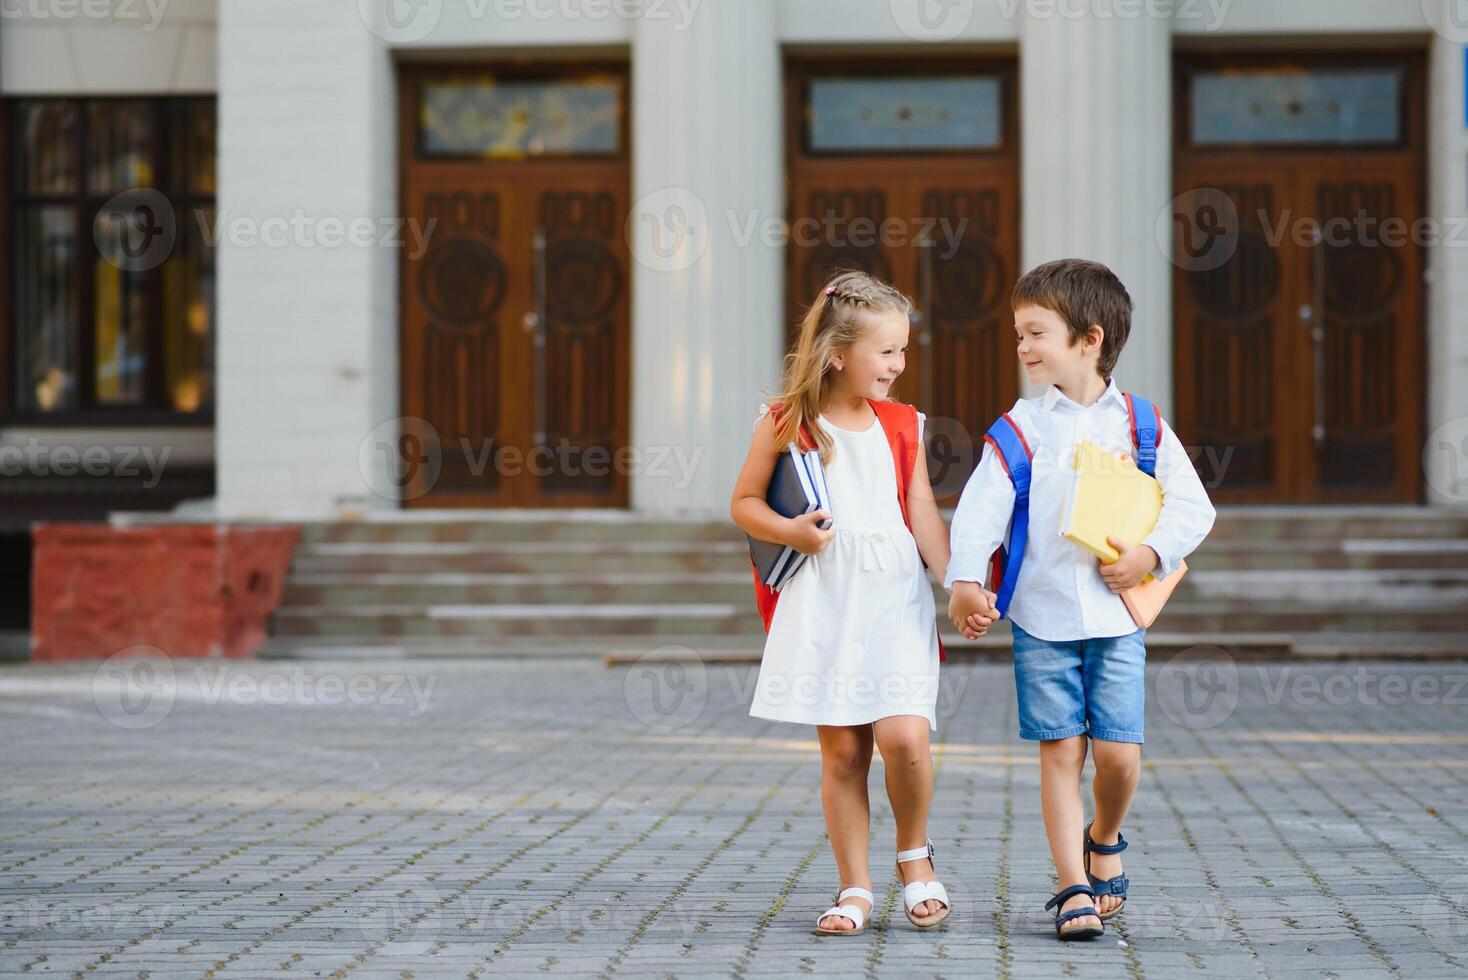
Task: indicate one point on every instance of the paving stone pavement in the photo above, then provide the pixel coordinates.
(512, 818)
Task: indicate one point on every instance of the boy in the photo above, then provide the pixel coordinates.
(1078, 655)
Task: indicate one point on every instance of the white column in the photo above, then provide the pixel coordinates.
(1096, 163)
(707, 305)
(307, 348)
(1445, 454)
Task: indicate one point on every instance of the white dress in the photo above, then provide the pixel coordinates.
(854, 636)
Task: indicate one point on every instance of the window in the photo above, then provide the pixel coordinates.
(1325, 107)
(904, 114)
(112, 204)
(486, 116)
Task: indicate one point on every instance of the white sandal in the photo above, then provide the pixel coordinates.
(917, 892)
(847, 910)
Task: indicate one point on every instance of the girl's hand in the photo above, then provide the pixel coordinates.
(804, 535)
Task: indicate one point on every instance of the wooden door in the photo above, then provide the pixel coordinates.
(940, 224)
(516, 317)
(1298, 346)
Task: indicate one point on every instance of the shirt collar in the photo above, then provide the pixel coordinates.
(1112, 392)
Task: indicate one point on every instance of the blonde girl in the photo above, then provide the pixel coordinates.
(852, 646)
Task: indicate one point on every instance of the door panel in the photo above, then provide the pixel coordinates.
(516, 319)
(461, 338)
(1298, 360)
(941, 226)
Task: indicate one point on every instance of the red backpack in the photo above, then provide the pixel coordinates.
(900, 425)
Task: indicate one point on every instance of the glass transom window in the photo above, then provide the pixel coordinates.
(486, 116)
(1335, 107)
(904, 114)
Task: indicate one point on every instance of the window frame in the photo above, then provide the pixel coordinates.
(802, 70)
(1188, 63)
(84, 205)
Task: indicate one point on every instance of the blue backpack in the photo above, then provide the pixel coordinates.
(1015, 455)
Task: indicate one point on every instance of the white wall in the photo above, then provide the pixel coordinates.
(307, 331)
(307, 344)
(145, 46)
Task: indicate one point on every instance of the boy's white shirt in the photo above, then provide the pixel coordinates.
(1060, 594)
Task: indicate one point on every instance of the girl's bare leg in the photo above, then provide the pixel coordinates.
(846, 758)
(908, 761)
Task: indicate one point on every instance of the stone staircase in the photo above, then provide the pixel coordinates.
(1270, 581)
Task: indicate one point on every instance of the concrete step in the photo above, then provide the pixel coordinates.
(731, 557)
(1378, 589)
(747, 648)
(699, 618)
(489, 526)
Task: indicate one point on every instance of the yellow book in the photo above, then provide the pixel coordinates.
(1110, 497)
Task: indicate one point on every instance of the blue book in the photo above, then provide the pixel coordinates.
(798, 486)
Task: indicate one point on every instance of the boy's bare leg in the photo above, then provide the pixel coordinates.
(846, 758)
(1061, 762)
(1118, 767)
(908, 761)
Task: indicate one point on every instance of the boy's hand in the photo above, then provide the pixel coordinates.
(1137, 561)
(971, 609)
(804, 535)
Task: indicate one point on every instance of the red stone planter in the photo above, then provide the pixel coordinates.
(190, 590)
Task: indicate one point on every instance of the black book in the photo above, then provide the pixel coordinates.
(798, 486)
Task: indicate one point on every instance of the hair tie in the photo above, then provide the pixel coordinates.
(830, 290)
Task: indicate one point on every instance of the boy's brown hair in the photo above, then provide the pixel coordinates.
(1081, 293)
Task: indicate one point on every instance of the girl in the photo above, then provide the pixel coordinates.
(852, 647)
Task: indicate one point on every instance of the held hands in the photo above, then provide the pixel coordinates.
(1136, 562)
(806, 537)
(971, 609)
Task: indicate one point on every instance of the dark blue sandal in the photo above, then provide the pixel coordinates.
(1061, 918)
(1115, 886)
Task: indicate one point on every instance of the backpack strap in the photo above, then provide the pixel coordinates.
(1015, 455)
(1146, 432)
(900, 425)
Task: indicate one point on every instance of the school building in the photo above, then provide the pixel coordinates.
(284, 261)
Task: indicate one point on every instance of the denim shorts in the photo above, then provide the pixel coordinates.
(1095, 687)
